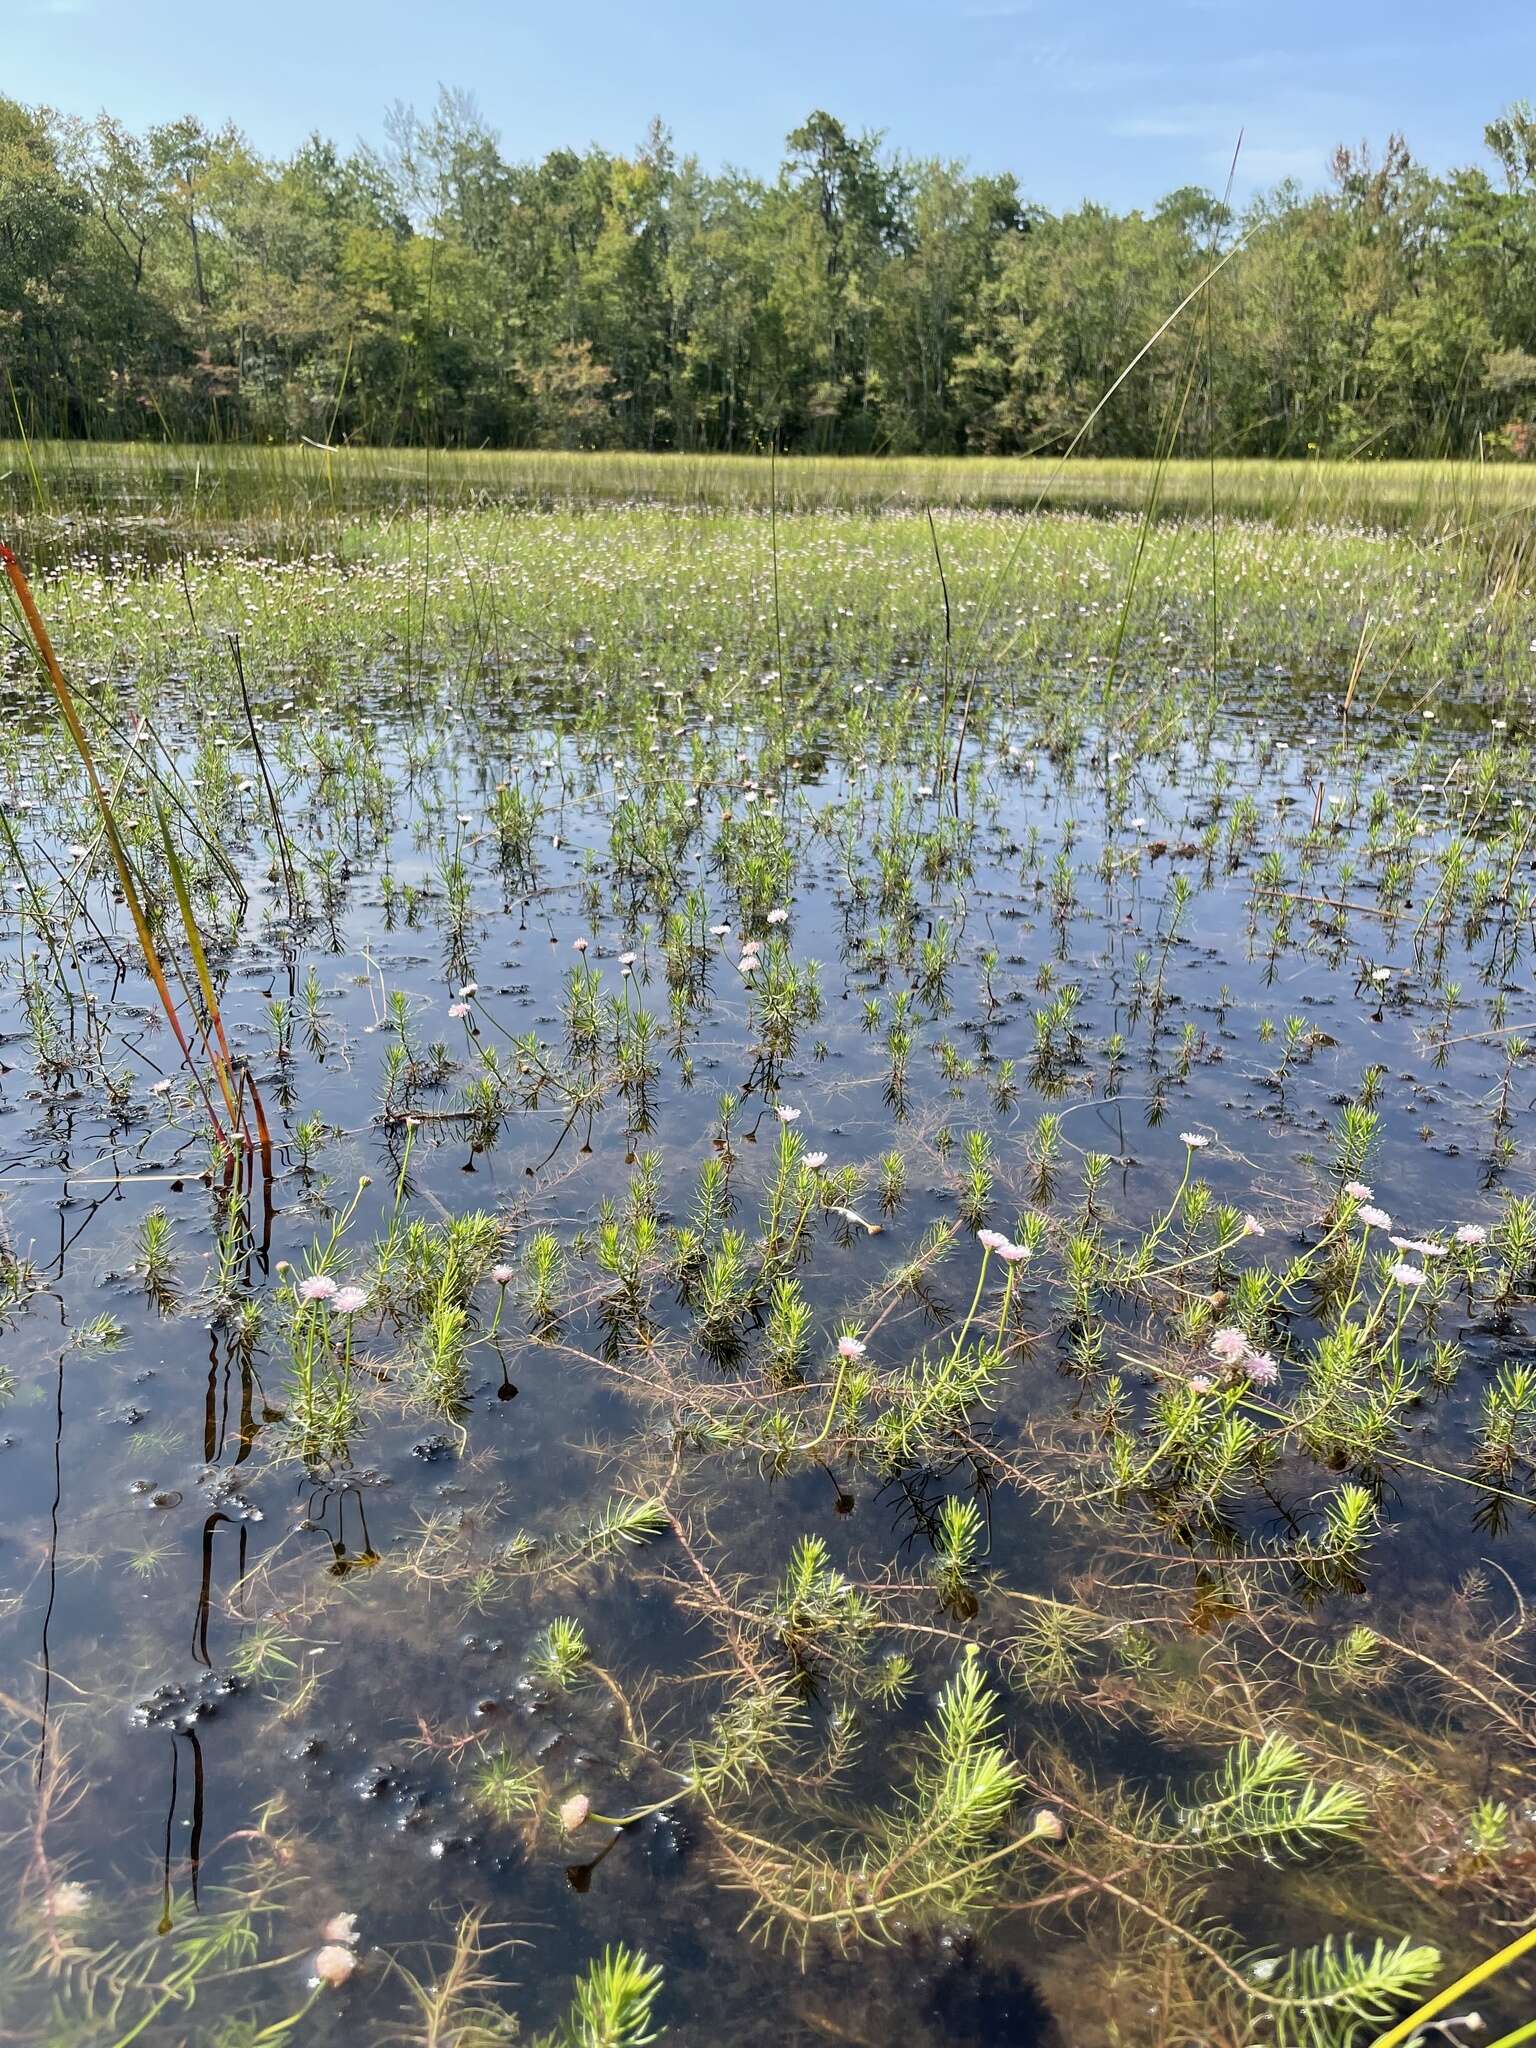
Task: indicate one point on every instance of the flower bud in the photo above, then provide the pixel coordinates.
(574, 1811)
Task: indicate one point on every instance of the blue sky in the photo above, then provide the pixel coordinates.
(1116, 101)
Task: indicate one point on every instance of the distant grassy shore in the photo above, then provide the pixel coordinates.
(240, 480)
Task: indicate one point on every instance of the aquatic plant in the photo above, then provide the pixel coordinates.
(890, 1279)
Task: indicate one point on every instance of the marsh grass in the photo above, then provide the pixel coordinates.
(921, 1006)
(235, 483)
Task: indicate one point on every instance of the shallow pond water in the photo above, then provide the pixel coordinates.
(278, 1649)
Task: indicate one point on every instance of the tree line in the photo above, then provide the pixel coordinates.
(429, 290)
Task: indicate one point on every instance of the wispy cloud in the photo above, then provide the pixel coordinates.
(1162, 127)
(1289, 136)
(1274, 163)
(1184, 101)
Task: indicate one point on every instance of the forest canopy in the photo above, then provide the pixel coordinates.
(178, 283)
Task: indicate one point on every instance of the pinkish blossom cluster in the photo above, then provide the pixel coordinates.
(997, 1241)
(337, 1959)
(1468, 1236)
(1424, 1247)
(342, 1301)
(1232, 1350)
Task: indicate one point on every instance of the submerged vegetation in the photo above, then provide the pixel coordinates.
(765, 1263)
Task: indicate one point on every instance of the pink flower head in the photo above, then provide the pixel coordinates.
(1252, 1227)
(1193, 1140)
(1357, 1191)
(1201, 1383)
(1262, 1369)
(1471, 1233)
(991, 1240)
(1407, 1276)
(1229, 1347)
(318, 1287)
(628, 959)
(1012, 1254)
(348, 1300)
(1375, 1219)
(787, 1116)
(503, 1275)
(850, 1348)
(816, 1161)
(580, 945)
(458, 1009)
(778, 917)
(333, 1965)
